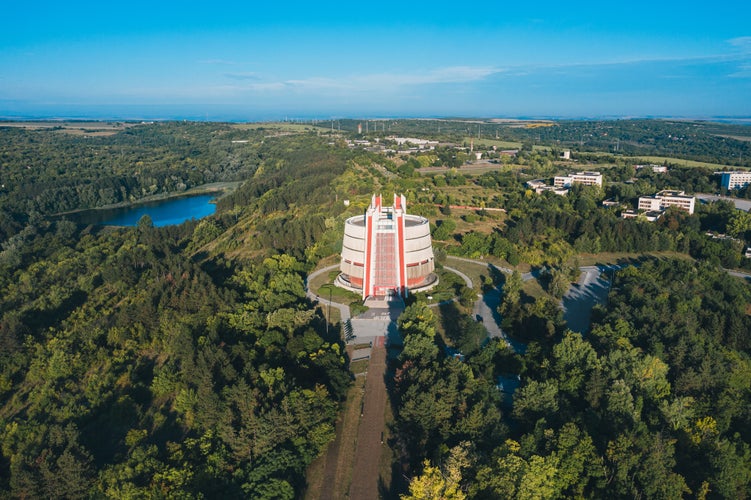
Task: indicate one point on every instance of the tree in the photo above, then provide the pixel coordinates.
(145, 222)
(433, 484)
(511, 292)
(573, 361)
(558, 284)
(444, 229)
(739, 224)
(444, 482)
(535, 400)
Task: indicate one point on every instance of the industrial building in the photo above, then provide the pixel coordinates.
(386, 252)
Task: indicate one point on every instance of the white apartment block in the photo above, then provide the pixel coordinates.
(733, 180)
(586, 178)
(665, 199)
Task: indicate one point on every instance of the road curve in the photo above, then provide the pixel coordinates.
(343, 308)
(504, 270)
(486, 305)
(463, 276)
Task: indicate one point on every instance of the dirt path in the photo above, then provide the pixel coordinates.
(331, 470)
(368, 454)
(337, 472)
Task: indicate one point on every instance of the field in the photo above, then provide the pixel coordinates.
(666, 159)
(276, 126)
(474, 168)
(502, 144)
(87, 129)
(494, 142)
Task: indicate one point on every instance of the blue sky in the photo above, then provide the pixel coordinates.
(250, 60)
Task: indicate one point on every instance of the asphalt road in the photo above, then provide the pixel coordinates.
(740, 203)
(343, 308)
(591, 289)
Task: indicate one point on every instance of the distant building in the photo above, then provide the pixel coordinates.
(651, 215)
(658, 169)
(420, 143)
(609, 203)
(586, 178)
(566, 155)
(734, 180)
(667, 198)
(540, 187)
(386, 252)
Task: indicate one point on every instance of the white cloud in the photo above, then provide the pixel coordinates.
(243, 76)
(741, 42)
(371, 82)
(318, 83)
(744, 71)
(262, 86)
(452, 74)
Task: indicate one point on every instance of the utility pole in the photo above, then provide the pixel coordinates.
(328, 314)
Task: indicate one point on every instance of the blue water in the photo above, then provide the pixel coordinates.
(163, 213)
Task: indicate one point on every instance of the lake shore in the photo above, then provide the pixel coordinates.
(214, 187)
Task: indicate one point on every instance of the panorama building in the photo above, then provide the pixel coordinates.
(386, 252)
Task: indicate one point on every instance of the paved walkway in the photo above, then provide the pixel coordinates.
(505, 270)
(366, 469)
(579, 299)
(486, 305)
(343, 308)
(467, 280)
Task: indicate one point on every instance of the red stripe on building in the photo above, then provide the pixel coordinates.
(368, 257)
(401, 260)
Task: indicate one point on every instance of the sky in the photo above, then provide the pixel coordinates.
(285, 59)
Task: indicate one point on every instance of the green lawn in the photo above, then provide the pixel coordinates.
(281, 126)
(661, 159)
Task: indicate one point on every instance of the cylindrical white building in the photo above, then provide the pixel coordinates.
(386, 251)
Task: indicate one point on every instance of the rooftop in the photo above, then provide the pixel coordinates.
(673, 194)
(410, 220)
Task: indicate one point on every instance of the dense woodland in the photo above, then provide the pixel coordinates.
(653, 403)
(132, 365)
(186, 361)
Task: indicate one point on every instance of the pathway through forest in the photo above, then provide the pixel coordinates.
(372, 425)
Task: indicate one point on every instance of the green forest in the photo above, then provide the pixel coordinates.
(187, 361)
(653, 403)
(136, 363)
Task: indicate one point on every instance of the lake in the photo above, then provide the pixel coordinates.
(163, 212)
